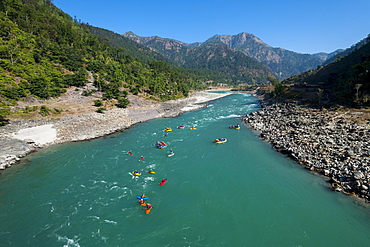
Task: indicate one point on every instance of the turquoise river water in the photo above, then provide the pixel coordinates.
(240, 193)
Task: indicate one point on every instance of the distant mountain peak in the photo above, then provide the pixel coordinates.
(130, 34)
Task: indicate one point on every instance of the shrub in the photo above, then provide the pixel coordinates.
(98, 103)
(123, 102)
(101, 110)
(44, 111)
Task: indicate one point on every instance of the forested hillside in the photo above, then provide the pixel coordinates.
(234, 65)
(43, 51)
(344, 81)
(129, 47)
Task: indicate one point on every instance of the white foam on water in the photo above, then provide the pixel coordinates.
(111, 222)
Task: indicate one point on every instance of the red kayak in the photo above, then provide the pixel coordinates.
(163, 182)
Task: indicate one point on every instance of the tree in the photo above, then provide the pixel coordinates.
(123, 102)
(279, 88)
(357, 87)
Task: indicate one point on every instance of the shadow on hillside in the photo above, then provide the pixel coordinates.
(3, 121)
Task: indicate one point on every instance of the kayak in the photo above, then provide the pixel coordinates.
(163, 182)
(141, 197)
(193, 128)
(170, 154)
(168, 129)
(147, 211)
(151, 172)
(136, 173)
(181, 127)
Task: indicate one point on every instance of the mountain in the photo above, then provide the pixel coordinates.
(344, 81)
(234, 65)
(281, 62)
(326, 56)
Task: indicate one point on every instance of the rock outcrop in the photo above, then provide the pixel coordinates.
(321, 140)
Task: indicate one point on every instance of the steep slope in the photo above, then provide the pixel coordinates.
(282, 62)
(342, 53)
(346, 80)
(43, 51)
(130, 47)
(169, 48)
(237, 67)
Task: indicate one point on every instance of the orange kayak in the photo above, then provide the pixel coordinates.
(147, 211)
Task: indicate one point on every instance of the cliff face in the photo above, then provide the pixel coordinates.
(282, 63)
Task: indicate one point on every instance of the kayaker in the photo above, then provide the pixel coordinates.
(142, 202)
(149, 206)
(163, 181)
(142, 158)
(130, 153)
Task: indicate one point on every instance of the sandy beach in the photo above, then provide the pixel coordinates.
(21, 137)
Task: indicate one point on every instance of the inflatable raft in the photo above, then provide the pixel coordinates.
(161, 145)
(220, 140)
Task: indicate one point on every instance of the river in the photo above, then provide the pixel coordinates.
(240, 193)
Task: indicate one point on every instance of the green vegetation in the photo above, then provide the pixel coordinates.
(44, 111)
(101, 110)
(98, 103)
(345, 81)
(43, 51)
(278, 88)
(123, 102)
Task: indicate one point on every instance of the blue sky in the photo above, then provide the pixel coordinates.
(300, 26)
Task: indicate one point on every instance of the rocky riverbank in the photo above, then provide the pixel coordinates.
(334, 143)
(21, 137)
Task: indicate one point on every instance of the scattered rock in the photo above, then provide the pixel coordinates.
(321, 140)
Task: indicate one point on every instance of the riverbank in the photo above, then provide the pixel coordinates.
(335, 143)
(21, 137)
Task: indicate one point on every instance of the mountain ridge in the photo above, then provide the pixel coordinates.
(282, 62)
(189, 56)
